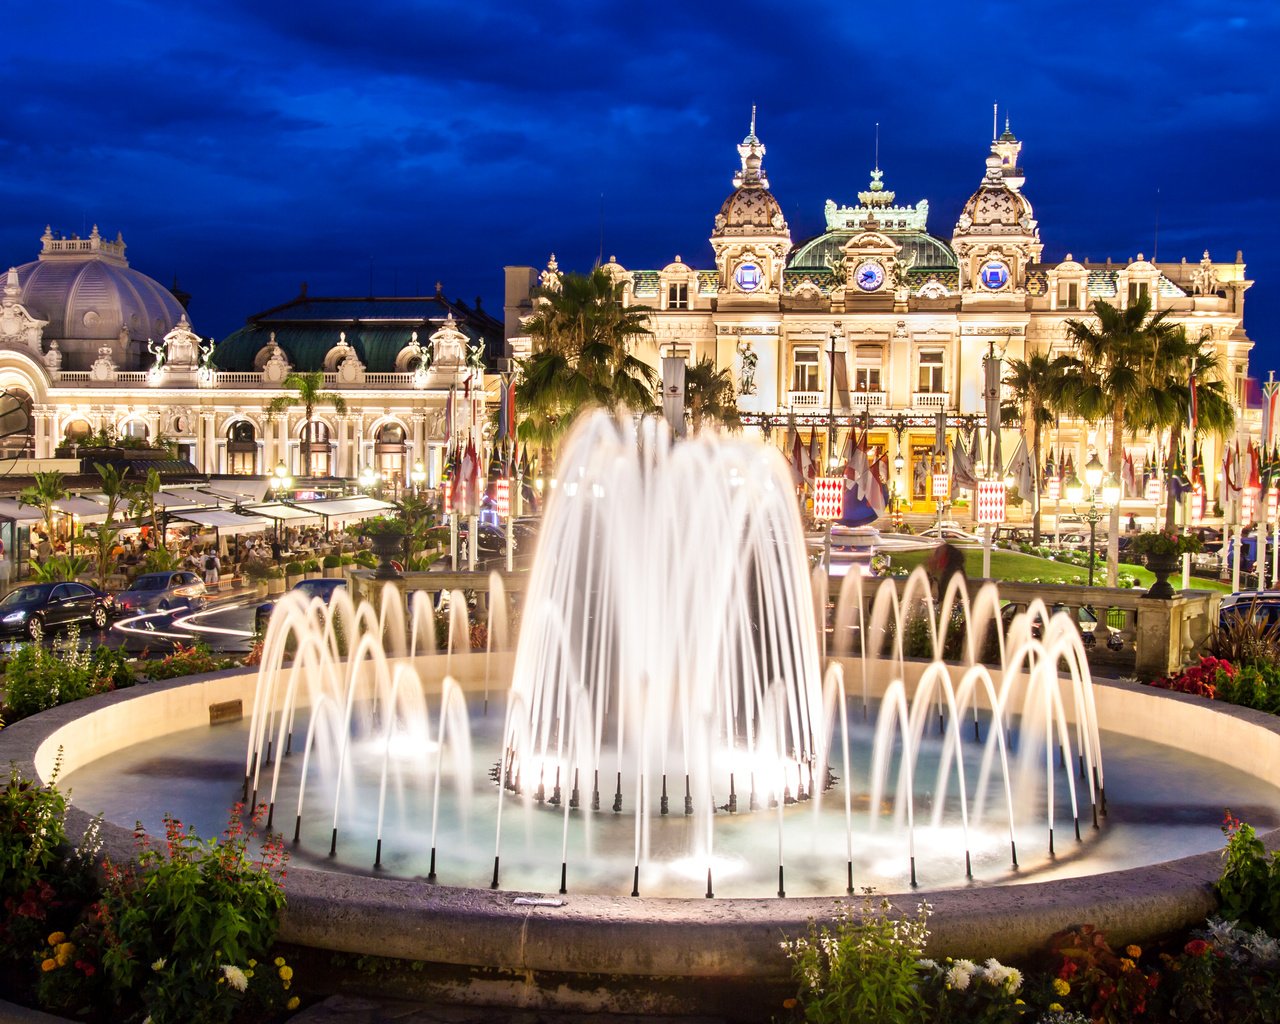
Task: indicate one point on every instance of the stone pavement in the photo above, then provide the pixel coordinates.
(360, 1010)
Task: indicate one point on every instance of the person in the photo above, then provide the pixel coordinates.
(946, 561)
(212, 564)
(1133, 523)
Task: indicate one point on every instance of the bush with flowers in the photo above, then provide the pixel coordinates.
(186, 925)
(1164, 543)
(961, 990)
(1203, 679)
(1109, 985)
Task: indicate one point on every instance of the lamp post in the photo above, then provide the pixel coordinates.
(419, 476)
(280, 483)
(368, 478)
(1109, 493)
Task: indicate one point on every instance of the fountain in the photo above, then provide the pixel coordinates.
(669, 666)
(548, 824)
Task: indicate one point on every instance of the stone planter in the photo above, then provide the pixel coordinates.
(1162, 567)
(311, 575)
(275, 587)
(262, 588)
(333, 573)
(292, 581)
(387, 546)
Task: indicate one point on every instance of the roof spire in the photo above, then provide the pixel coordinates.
(752, 134)
(995, 120)
(751, 151)
(877, 145)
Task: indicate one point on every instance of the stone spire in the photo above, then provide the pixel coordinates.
(1008, 149)
(751, 152)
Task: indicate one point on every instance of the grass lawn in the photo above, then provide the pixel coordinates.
(1017, 567)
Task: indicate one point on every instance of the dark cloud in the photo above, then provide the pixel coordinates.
(249, 146)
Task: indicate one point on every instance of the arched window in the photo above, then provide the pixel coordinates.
(242, 448)
(389, 451)
(77, 430)
(319, 448)
(135, 428)
(16, 423)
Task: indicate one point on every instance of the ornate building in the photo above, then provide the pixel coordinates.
(87, 343)
(878, 318)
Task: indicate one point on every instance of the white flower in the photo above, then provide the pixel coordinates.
(235, 977)
(926, 964)
(158, 965)
(958, 977)
(1013, 980)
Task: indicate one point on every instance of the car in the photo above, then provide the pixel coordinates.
(36, 608)
(1263, 606)
(323, 588)
(950, 531)
(491, 544)
(161, 591)
(1086, 622)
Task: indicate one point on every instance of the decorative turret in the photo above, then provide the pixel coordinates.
(751, 238)
(1008, 149)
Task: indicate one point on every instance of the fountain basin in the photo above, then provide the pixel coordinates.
(606, 953)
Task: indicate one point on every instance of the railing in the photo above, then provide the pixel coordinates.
(387, 379)
(868, 399)
(807, 399)
(236, 378)
(929, 399)
(73, 377)
(132, 377)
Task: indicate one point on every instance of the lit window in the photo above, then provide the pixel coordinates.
(1138, 290)
(677, 296)
(866, 373)
(804, 370)
(930, 375)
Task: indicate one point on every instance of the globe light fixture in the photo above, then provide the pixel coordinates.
(1074, 489)
(1111, 491)
(368, 478)
(899, 462)
(1093, 472)
(419, 475)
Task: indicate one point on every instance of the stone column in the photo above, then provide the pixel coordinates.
(208, 443)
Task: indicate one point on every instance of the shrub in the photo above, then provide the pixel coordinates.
(257, 570)
(347, 559)
(310, 565)
(1249, 888)
(1245, 637)
(188, 661)
(1202, 679)
(190, 927)
(1162, 543)
(1110, 986)
(332, 561)
(960, 990)
(293, 569)
(36, 678)
(862, 969)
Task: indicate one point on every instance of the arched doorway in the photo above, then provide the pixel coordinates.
(17, 425)
(320, 449)
(242, 449)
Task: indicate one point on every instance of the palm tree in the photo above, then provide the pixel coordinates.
(709, 394)
(309, 394)
(117, 491)
(143, 504)
(47, 489)
(1037, 387)
(583, 336)
(1166, 410)
(1117, 364)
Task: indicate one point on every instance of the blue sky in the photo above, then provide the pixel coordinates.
(248, 146)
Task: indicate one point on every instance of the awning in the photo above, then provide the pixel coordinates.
(238, 491)
(10, 509)
(358, 507)
(83, 509)
(224, 521)
(279, 510)
(191, 498)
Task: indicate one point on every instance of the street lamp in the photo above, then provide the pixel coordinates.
(280, 482)
(836, 335)
(1109, 493)
(368, 478)
(419, 476)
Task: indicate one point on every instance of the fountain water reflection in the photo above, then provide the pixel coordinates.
(670, 658)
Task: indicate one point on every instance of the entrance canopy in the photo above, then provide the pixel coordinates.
(224, 521)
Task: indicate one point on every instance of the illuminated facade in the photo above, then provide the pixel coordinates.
(911, 314)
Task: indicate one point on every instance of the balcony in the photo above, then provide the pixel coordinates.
(868, 399)
(807, 399)
(929, 399)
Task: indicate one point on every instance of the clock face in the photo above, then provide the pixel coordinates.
(748, 277)
(869, 275)
(994, 274)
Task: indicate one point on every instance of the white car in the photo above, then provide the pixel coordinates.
(950, 531)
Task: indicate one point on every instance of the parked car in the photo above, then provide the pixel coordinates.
(1262, 606)
(950, 531)
(323, 588)
(161, 591)
(491, 544)
(1086, 622)
(36, 608)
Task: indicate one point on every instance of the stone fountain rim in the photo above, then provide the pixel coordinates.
(598, 937)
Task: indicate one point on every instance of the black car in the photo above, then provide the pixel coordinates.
(491, 545)
(1086, 622)
(323, 588)
(33, 609)
(1262, 607)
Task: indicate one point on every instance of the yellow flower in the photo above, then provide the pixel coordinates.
(48, 965)
(293, 1003)
(65, 949)
(1060, 987)
(56, 938)
(286, 985)
(1126, 964)
(279, 961)
(286, 973)
(1055, 1007)
(63, 960)
(789, 1004)
(1133, 951)
(253, 963)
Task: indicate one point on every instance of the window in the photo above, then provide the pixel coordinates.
(930, 375)
(677, 296)
(389, 452)
(1138, 290)
(242, 449)
(1069, 295)
(804, 370)
(866, 372)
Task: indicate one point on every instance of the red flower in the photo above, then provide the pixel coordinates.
(1196, 947)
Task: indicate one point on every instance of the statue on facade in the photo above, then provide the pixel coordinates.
(747, 376)
(1204, 279)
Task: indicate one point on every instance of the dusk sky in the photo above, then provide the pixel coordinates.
(249, 146)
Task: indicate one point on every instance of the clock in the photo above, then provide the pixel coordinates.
(748, 277)
(869, 275)
(994, 274)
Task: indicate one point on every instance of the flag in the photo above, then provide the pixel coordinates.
(450, 411)
(1230, 474)
(1049, 471)
(1020, 468)
(1128, 475)
(963, 473)
(813, 467)
(866, 496)
(1068, 466)
(795, 453)
(1270, 413)
(506, 409)
(1255, 469)
(1179, 478)
(1193, 406)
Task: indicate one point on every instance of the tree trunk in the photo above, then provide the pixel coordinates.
(1113, 462)
(1035, 476)
(306, 444)
(1170, 507)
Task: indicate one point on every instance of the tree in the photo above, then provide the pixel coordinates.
(1037, 387)
(117, 491)
(583, 335)
(709, 394)
(1166, 410)
(309, 394)
(143, 504)
(1119, 360)
(47, 490)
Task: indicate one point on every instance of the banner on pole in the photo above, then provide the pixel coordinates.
(828, 497)
(502, 496)
(1153, 489)
(989, 505)
(941, 481)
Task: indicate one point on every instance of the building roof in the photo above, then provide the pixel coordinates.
(378, 328)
